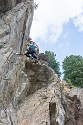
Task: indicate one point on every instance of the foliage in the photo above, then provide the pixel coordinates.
(69, 82)
(52, 62)
(73, 70)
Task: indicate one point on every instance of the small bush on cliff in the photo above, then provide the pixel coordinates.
(52, 62)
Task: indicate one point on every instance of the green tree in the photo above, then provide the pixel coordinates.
(73, 70)
(52, 62)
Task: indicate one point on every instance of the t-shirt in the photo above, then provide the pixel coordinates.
(31, 47)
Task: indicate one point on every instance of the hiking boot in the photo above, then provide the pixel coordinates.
(36, 61)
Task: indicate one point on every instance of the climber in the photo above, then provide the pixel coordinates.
(32, 50)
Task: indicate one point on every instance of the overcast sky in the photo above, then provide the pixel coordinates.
(58, 26)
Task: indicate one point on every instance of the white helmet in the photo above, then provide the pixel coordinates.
(31, 40)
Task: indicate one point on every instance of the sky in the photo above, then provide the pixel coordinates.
(58, 27)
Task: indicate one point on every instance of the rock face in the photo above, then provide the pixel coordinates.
(6, 5)
(31, 94)
(12, 24)
(43, 57)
